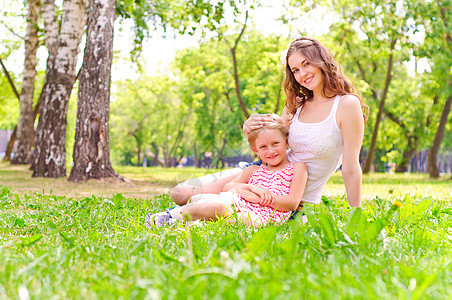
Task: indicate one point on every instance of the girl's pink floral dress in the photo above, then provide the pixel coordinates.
(278, 182)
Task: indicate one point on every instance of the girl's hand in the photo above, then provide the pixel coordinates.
(249, 196)
(267, 198)
(267, 202)
(256, 121)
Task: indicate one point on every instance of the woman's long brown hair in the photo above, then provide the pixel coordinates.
(335, 82)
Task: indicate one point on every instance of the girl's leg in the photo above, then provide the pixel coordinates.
(213, 183)
(250, 219)
(209, 208)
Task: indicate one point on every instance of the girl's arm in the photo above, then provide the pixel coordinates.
(297, 187)
(242, 187)
(351, 123)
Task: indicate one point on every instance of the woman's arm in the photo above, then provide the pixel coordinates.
(297, 187)
(351, 123)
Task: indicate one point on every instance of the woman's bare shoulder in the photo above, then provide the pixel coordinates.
(349, 100)
(349, 106)
(349, 111)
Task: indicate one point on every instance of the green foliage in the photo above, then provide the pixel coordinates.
(97, 247)
(145, 112)
(185, 16)
(9, 105)
(362, 40)
(197, 112)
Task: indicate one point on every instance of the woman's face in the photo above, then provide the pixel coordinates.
(306, 74)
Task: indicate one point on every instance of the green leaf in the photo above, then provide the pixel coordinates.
(31, 240)
(354, 219)
(19, 222)
(328, 228)
(261, 240)
(162, 254)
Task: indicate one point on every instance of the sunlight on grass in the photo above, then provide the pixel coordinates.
(56, 241)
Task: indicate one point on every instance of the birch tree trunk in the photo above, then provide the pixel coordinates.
(25, 127)
(91, 147)
(49, 155)
(50, 28)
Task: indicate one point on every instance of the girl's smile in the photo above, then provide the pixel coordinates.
(271, 146)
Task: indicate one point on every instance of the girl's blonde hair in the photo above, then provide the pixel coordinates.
(277, 124)
(335, 82)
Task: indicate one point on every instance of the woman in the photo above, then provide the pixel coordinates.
(325, 118)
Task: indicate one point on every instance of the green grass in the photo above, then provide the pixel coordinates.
(58, 245)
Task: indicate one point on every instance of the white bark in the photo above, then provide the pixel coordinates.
(91, 149)
(50, 27)
(50, 140)
(74, 19)
(25, 127)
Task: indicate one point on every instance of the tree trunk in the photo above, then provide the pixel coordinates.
(412, 141)
(195, 155)
(278, 95)
(236, 74)
(138, 152)
(220, 155)
(51, 40)
(91, 147)
(407, 156)
(50, 28)
(12, 140)
(49, 155)
(433, 151)
(155, 159)
(370, 153)
(25, 127)
(10, 146)
(432, 154)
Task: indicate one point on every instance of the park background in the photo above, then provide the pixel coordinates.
(185, 80)
(185, 75)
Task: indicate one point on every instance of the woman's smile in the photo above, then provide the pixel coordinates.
(308, 80)
(305, 73)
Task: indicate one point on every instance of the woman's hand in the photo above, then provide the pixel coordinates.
(256, 121)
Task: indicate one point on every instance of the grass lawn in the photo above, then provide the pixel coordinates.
(65, 240)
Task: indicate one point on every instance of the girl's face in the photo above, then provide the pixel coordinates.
(306, 74)
(271, 146)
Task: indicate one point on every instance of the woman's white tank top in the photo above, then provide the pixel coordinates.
(319, 145)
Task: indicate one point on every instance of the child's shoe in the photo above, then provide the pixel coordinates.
(159, 219)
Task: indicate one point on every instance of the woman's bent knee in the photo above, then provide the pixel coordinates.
(213, 183)
(181, 194)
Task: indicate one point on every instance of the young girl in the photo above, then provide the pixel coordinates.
(265, 193)
(325, 117)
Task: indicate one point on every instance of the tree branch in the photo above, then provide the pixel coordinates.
(11, 30)
(395, 119)
(10, 80)
(236, 75)
(429, 117)
(362, 71)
